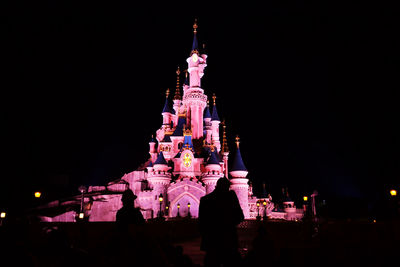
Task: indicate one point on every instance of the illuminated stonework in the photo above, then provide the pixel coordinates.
(185, 161)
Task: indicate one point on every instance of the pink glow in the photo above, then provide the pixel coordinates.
(194, 177)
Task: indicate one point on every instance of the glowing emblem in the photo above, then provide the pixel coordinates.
(195, 57)
(187, 160)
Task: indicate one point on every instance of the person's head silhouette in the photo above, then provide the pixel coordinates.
(222, 186)
(128, 198)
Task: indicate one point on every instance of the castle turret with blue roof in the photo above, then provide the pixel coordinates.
(239, 182)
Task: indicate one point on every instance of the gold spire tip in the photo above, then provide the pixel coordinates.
(237, 141)
(195, 26)
(214, 98)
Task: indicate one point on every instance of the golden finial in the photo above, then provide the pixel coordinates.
(214, 97)
(208, 103)
(167, 93)
(195, 26)
(237, 141)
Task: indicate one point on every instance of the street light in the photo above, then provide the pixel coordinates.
(161, 199)
(265, 209)
(189, 215)
(82, 189)
(393, 192)
(3, 214)
(37, 194)
(305, 198)
(178, 206)
(258, 210)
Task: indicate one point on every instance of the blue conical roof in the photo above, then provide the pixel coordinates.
(213, 159)
(238, 164)
(160, 159)
(207, 113)
(166, 106)
(215, 116)
(179, 128)
(166, 138)
(195, 44)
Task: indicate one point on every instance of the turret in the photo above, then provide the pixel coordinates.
(152, 149)
(239, 182)
(159, 180)
(167, 112)
(207, 123)
(213, 172)
(215, 121)
(194, 98)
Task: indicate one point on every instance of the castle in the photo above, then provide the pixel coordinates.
(186, 159)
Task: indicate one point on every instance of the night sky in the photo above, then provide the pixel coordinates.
(311, 89)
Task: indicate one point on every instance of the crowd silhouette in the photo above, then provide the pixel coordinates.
(133, 242)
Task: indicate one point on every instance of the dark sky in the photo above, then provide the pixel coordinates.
(310, 88)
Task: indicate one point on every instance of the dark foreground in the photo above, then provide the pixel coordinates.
(159, 244)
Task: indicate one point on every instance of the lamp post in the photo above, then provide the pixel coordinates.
(258, 211)
(160, 199)
(265, 209)
(178, 214)
(82, 189)
(189, 215)
(37, 194)
(305, 199)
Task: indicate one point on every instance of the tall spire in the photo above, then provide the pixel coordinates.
(238, 164)
(195, 44)
(166, 105)
(224, 147)
(177, 95)
(214, 115)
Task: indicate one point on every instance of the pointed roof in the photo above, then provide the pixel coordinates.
(166, 105)
(166, 138)
(179, 128)
(214, 116)
(195, 44)
(207, 113)
(160, 159)
(238, 164)
(214, 159)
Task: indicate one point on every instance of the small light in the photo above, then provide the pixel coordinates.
(265, 203)
(166, 207)
(178, 206)
(258, 204)
(188, 205)
(374, 221)
(81, 215)
(38, 194)
(160, 198)
(393, 192)
(305, 198)
(3, 215)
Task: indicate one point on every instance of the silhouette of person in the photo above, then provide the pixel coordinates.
(219, 214)
(128, 214)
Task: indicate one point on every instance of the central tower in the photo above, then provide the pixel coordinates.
(194, 99)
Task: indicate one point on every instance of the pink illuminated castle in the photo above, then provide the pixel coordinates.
(187, 157)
